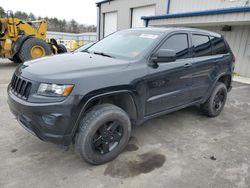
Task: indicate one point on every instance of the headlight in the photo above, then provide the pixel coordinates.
(54, 90)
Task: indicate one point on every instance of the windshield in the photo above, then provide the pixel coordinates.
(126, 45)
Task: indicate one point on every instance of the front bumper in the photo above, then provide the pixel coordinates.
(52, 122)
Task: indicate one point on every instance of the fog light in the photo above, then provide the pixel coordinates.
(49, 119)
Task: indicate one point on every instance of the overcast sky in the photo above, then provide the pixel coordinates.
(83, 11)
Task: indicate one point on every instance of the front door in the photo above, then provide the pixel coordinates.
(169, 85)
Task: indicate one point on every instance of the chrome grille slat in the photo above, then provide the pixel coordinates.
(23, 88)
(20, 87)
(16, 84)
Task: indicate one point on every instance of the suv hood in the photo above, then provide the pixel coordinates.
(70, 66)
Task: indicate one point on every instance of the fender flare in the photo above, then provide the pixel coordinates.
(88, 101)
(214, 84)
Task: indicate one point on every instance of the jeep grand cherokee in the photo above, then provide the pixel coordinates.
(93, 98)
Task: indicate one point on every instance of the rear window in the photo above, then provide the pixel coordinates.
(218, 46)
(202, 45)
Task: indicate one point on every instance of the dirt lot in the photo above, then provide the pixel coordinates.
(183, 149)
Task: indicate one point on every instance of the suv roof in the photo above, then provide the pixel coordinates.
(171, 29)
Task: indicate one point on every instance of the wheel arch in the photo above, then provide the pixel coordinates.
(225, 78)
(125, 99)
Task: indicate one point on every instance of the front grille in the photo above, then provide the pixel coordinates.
(20, 87)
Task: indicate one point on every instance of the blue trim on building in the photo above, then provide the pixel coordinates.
(199, 13)
(104, 1)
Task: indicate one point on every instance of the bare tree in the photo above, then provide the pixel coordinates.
(2, 12)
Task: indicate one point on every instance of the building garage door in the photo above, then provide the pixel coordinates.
(137, 13)
(110, 23)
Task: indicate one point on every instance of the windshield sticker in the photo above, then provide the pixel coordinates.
(149, 36)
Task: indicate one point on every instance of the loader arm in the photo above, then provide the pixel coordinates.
(29, 29)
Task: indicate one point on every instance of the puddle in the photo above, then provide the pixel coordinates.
(131, 147)
(13, 150)
(146, 163)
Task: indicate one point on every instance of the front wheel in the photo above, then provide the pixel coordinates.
(215, 104)
(103, 134)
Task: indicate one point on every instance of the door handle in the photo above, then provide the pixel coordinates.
(187, 65)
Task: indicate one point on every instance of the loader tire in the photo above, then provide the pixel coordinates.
(16, 59)
(34, 48)
(61, 49)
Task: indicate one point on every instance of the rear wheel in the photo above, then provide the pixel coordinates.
(104, 132)
(34, 48)
(61, 49)
(215, 104)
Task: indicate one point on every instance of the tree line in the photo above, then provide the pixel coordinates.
(54, 24)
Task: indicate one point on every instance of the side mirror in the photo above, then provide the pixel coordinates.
(164, 56)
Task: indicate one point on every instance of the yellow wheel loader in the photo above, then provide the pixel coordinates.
(21, 41)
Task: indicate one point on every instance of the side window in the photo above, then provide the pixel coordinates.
(218, 46)
(202, 45)
(178, 43)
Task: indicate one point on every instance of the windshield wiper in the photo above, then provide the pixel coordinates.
(103, 54)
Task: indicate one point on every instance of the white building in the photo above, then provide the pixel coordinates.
(228, 17)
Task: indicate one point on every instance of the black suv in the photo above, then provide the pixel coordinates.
(93, 98)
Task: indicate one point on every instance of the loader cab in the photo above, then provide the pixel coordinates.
(2, 29)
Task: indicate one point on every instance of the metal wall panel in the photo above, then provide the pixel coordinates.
(238, 39)
(110, 23)
(139, 12)
(178, 6)
(123, 7)
(241, 18)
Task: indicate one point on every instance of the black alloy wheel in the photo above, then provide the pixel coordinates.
(107, 137)
(219, 100)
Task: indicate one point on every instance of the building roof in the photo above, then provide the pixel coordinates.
(104, 1)
(199, 13)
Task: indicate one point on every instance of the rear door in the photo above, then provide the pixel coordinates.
(169, 85)
(210, 55)
(203, 65)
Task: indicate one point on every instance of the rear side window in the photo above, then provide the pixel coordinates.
(218, 46)
(202, 45)
(178, 43)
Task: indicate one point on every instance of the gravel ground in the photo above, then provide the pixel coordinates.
(182, 149)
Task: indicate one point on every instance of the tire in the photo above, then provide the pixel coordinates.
(216, 102)
(25, 52)
(16, 59)
(90, 142)
(61, 49)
